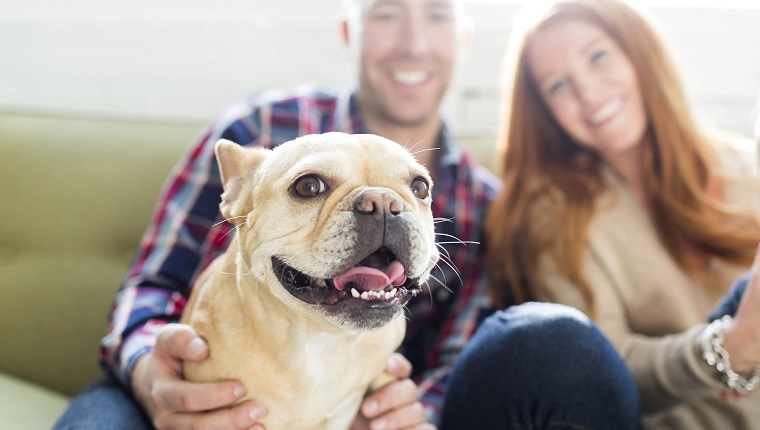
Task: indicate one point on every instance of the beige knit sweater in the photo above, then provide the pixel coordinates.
(654, 313)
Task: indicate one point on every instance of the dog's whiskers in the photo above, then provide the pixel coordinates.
(441, 283)
(446, 257)
(410, 148)
(430, 292)
(444, 253)
(232, 230)
(424, 150)
(229, 220)
(407, 313)
(226, 273)
(456, 239)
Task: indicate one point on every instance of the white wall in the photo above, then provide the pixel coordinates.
(185, 59)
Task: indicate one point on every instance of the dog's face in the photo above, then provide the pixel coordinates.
(335, 225)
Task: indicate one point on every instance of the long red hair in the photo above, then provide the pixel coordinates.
(545, 172)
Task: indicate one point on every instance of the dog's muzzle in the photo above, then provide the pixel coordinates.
(369, 294)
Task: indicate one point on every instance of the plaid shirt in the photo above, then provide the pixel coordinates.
(187, 232)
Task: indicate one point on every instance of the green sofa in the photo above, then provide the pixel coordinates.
(76, 195)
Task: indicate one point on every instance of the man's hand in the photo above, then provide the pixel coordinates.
(173, 403)
(395, 406)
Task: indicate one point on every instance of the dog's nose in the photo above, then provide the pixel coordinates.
(377, 202)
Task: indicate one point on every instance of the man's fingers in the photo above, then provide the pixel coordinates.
(389, 397)
(398, 366)
(183, 396)
(180, 341)
(409, 416)
(242, 416)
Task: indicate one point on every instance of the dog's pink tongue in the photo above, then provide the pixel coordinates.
(369, 279)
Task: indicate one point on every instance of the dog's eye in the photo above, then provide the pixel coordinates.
(420, 188)
(309, 186)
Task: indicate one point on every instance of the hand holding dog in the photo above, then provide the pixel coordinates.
(173, 403)
(396, 405)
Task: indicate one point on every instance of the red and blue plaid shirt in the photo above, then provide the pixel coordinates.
(187, 232)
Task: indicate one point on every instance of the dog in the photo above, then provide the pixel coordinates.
(333, 235)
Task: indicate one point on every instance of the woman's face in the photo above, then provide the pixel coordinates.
(589, 85)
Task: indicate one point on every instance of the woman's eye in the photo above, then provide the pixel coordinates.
(309, 186)
(598, 55)
(556, 86)
(420, 188)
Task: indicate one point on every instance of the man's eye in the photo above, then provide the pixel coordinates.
(440, 17)
(384, 14)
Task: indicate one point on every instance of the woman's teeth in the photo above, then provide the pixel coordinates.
(606, 111)
(410, 77)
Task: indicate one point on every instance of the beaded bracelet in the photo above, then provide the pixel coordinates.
(715, 355)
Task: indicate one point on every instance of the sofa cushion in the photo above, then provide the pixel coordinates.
(27, 406)
(75, 197)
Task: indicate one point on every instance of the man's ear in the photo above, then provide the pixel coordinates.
(344, 32)
(465, 29)
(236, 165)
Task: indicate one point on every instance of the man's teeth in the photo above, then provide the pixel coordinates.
(374, 295)
(410, 77)
(606, 111)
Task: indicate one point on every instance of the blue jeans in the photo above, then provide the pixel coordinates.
(103, 405)
(540, 366)
(534, 366)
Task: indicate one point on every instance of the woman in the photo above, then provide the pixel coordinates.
(617, 203)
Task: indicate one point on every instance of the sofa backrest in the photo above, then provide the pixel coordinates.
(76, 195)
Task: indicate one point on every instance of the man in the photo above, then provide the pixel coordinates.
(407, 51)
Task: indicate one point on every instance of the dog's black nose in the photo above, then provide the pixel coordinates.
(378, 201)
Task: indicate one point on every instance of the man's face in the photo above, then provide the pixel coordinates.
(407, 54)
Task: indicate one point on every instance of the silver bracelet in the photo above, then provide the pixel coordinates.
(715, 355)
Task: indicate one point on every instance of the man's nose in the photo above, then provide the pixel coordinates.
(415, 38)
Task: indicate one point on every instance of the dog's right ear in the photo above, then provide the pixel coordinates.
(235, 165)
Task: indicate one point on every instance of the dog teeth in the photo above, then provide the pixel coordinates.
(374, 295)
(321, 283)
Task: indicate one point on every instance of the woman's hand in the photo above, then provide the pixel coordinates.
(173, 403)
(395, 406)
(742, 337)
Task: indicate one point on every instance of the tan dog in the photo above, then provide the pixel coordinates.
(334, 234)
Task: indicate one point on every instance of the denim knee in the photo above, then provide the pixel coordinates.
(103, 405)
(540, 365)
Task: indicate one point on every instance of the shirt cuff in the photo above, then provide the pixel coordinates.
(134, 347)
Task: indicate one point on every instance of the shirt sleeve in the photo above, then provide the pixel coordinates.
(186, 233)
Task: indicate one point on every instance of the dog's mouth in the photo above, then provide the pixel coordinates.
(378, 281)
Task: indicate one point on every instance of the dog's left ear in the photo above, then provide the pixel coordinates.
(235, 165)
